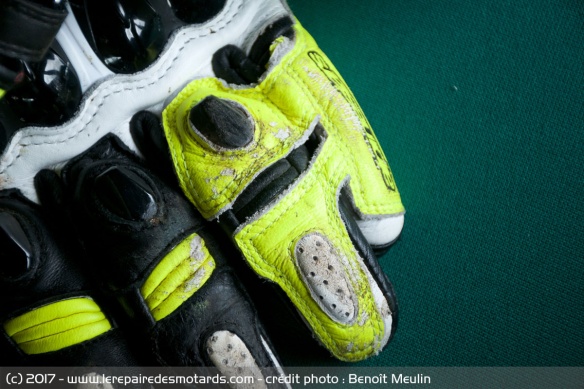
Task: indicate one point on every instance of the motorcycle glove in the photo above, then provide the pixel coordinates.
(264, 137)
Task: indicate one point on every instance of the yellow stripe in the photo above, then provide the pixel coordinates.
(66, 338)
(186, 290)
(177, 277)
(2, 92)
(57, 325)
(50, 312)
(161, 272)
(174, 280)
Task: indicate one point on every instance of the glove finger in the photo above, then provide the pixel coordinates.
(50, 190)
(147, 133)
(163, 264)
(381, 231)
(369, 255)
(303, 142)
(51, 314)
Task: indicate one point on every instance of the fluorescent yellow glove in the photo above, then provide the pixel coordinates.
(228, 140)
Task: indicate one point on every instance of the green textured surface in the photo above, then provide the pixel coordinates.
(479, 106)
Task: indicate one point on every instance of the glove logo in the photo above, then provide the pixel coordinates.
(339, 84)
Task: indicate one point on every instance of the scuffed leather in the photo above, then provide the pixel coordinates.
(301, 96)
(123, 253)
(111, 100)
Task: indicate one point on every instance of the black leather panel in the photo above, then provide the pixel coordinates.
(123, 250)
(27, 29)
(54, 271)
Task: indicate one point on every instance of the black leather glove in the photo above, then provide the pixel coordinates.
(155, 255)
(51, 312)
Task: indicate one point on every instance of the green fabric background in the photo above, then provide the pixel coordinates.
(479, 106)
